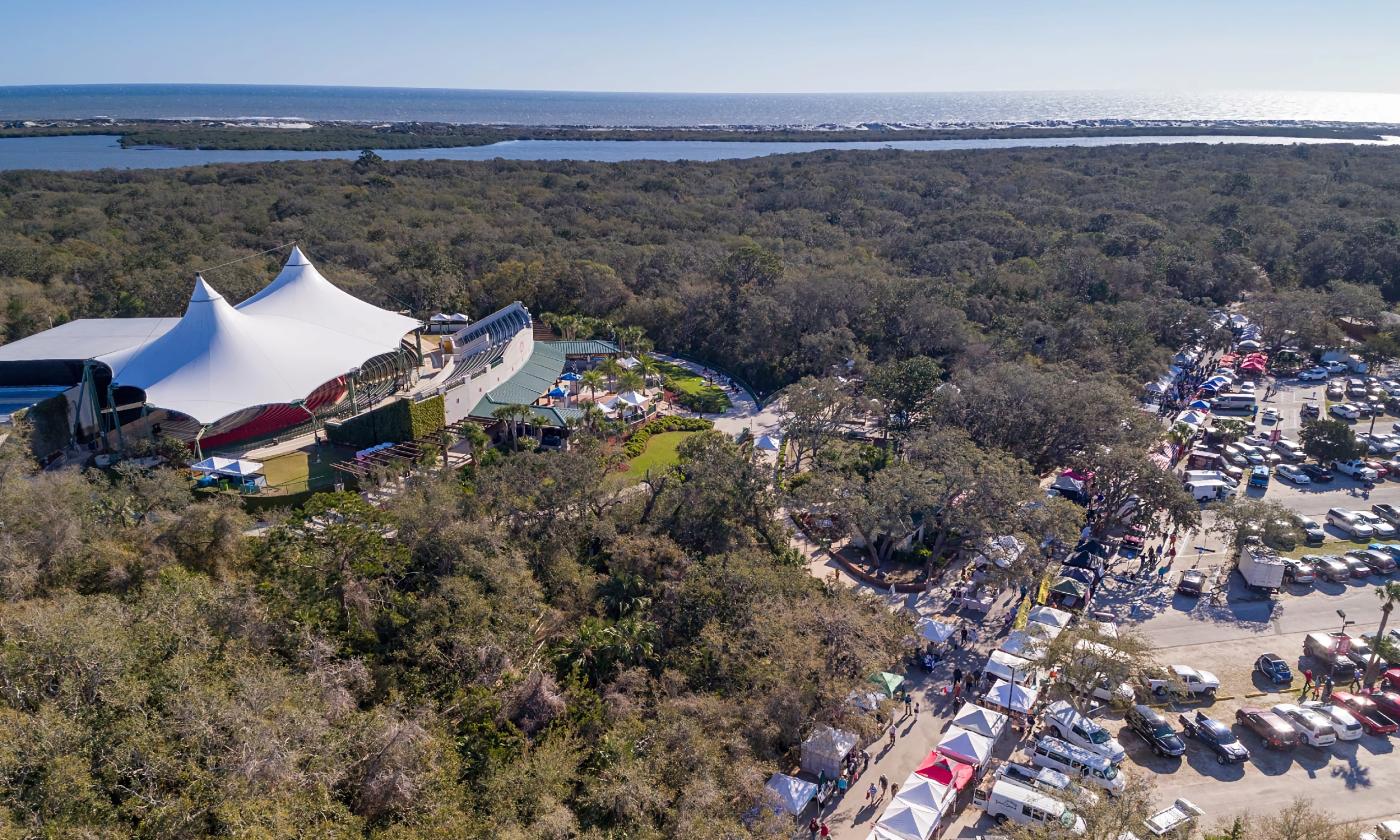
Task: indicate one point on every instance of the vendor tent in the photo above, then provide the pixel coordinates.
(880, 834)
(887, 682)
(825, 749)
(908, 822)
(1200, 404)
(1023, 644)
(1051, 616)
(1069, 587)
(946, 771)
(1006, 666)
(632, 398)
(1016, 698)
(792, 794)
(1001, 551)
(232, 467)
(974, 718)
(1084, 576)
(935, 631)
(966, 746)
(768, 443)
(923, 792)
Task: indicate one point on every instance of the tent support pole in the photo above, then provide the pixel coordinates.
(199, 450)
(116, 416)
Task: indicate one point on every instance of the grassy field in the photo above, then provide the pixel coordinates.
(660, 452)
(692, 391)
(294, 470)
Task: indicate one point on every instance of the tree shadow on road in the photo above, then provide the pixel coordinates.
(1352, 773)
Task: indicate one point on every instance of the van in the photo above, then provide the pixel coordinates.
(1350, 524)
(1208, 475)
(1074, 761)
(1233, 402)
(1332, 653)
(1007, 802)
(1259, 477)
(1290, 450)
(1209, 490)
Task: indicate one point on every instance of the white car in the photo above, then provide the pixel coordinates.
(1344, 411)
(1247, 387)
(1269, 415)
(1335, 367)
(1314, 728)
(1347, 727)
(1381, 529)
(1292, 473)
(1316, 374)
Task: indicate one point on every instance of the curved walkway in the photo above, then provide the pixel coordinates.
(744, 411)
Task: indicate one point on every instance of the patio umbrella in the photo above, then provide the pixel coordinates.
(557, 393)
(887, 682)
(571, 377)
(768, 443)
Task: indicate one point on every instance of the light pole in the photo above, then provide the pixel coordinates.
(1345, 622)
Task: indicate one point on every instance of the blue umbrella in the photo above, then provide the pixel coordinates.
(558, 392)
(571, 377)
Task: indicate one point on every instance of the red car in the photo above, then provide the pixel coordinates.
(1388, 701)
(1276, 732)
(1381, 467)
(1366, 711)
(1392, 678)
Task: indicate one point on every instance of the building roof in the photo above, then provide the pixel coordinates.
(217, 360)
(301, 293)
(85, 338)
(585, 347)
(556, 416)
(532, 381)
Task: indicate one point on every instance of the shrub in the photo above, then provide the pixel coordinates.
(637, 443)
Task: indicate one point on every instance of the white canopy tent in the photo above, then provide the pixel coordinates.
(235, 467)
(935, 631)
(908, 822)
(300, 293)
(793, 794)
(217, 360)
(1012, 668)
(1016, 698)
(768, 443)
(922, 792)
(1023, 644)
(825, 749)
(1049, 615)
(984, 722)
(879, 833)
(632, 398)
(966, 746)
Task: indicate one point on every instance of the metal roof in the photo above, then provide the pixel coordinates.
(535, 377)
(86, 338)
(585, 347)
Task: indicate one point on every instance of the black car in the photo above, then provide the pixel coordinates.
(1152, 727)
(1216, 735)
(1316, 474)
(1311, 410)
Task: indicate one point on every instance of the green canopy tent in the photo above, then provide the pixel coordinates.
(888, 682)
(1070, 587)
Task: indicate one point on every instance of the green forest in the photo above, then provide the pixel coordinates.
(522, 650)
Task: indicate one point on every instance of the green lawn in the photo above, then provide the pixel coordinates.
(303, 466)
(660, 452)
(691, 389)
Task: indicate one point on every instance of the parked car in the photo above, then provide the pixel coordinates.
(1273, 668)
(1311, 528)
(1367, 713)
(1380, 562)
(1215, 735)
(1381, 468)
(1272, 729)
(1079, 730)
(1317, 473)
(1293, 473)
(1334, 367)
(1313, 728)
(1193, 680)
(1344, 411)
(1359, 652)
(1388, 702)
(1387, 512)
(1350, 524)
(1193, 583)
(1391, 678)
(1329, 567)
(1379, 527)
(1297, 570)
(1335, 391)
(1324, 649)
(1317, 374)
(1359, 569)
(1269, 415)
(1356, 469)
(1151, 726)
(1310, 411)
(1344, 723)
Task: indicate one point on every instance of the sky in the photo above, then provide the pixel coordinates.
(712, 46)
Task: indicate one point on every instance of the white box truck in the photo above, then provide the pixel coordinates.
(1261, 568)
(1208, 490)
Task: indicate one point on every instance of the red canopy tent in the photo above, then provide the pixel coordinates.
(943, 770)
(1229, 359)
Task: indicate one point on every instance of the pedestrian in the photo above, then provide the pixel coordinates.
(957, 674)
(916, 710)
(908, 701)
(894, 790)
(826, 831)
(965, 633)
(957, 691)
(892, 736)
(1355, 681)
(1307, 681)
(842, 783)
(813, 827)
(871, 792)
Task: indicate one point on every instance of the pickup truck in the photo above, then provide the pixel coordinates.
(1356, 469)
(1181, 676)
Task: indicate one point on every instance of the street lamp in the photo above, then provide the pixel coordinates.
(1345, 621)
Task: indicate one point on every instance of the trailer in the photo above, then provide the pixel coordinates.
(1261, 567)
(1182, 813)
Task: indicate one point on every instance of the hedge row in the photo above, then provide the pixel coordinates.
(637, 443)
(399, 421)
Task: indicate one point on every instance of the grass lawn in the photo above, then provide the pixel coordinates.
(660, 452)
(691, 387)
(303, 466)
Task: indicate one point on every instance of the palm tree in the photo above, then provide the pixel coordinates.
(647, 367)
(593, 418)
(513, 415)
(629, 337)
(1390, 596)
(630, 380)
(593, 380)
(610, 368)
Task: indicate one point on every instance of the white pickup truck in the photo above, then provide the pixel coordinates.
(1355, 469)
(1182, 676)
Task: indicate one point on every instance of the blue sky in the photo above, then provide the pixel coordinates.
(720, 45)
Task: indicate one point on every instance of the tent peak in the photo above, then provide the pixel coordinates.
(296, 257)
(203, 292)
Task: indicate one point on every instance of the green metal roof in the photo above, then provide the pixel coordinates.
(532, 381)
(552, 416)
(584, 347)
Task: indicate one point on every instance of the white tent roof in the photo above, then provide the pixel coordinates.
(1005, 666)
(228, 466)
(908, 821)
(217, 360)
(1016, 698)
(967, 746)
(923, 792)
(769, 443)
(301, 293)
(974, 718)
(1024, 643)
(935, 631)
(632, 398)
(1049, 615)
(793, 794)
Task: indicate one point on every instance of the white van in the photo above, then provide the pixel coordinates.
(1007, 802)
(1233, 402)
(1208, 490)
(1208, 475)
(1074, 761)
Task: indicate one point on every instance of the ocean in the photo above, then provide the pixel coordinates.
(362, 104)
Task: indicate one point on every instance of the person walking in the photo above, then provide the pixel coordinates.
(1307, 681)
(825, 831)
(894, 790)
(916, 709)
(884, 785)
(871, 792)
(812, 828)
(965, 634)
(892, 736)
(957, 674)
